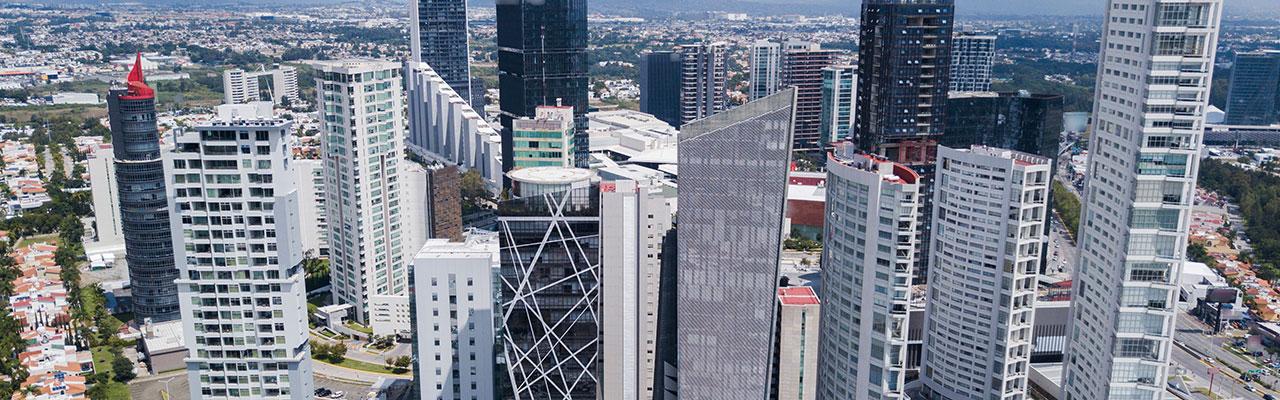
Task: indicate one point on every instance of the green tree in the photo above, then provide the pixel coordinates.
(399, 364)
(122, 368)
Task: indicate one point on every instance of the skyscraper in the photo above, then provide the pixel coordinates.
(1026, 122)
(972, 56)
(550, 283)
(1254, 96)
(438, 37)
(661, 74)
(802, 65)
(634, 220)
(452, 314)
(869, 252)
(702, 80)
(989, 214)
(238, 241)
(442, 126)
(797, 343)
(839, 104)
(542, 60)
(144, 205)
(363, 127)
(765, 74)
(733, 187)
(904, 59)
(1144, 154)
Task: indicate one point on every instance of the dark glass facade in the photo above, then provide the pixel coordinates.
(1030, 123)
(802, 69)
(733, 189)
(1254, 97)
(144, 205)
(903, 74)
(660, 74)
(440, 40)
(542, 60)
(550, 294)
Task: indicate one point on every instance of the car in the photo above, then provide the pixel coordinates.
(1268, 396)
(1249, 388)
(337, 394)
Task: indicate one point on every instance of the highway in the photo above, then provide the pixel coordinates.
(1227, 383)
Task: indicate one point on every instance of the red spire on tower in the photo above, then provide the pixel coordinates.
(138, 88)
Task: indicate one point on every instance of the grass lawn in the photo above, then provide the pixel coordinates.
(359, 328)
(51, 238)
(364, 366)
(117, 391)
(102, 357)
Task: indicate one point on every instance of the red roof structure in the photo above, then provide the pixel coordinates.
(797, 296)
(138, 88)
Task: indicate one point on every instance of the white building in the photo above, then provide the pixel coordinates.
(361, 109)
(989, 211)
(1153, 89)
(108, 236)
(869, 251)
(444, 127)
(634, 220)
(546, 140)
(454, 295)
(239, 86)
(798, 312)
(972, 57)
(764, 73)
(309, 175)
(389, 315)
(238, 249)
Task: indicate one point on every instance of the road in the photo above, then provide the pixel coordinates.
(1191, 333)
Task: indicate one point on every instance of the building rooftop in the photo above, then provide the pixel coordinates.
(797, 296)
(846, 153)
(163, 336)
(550, 175)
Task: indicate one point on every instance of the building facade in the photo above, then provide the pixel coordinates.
(660, 78)
(802, 68)
(765, 73)
(839, 104)
(982, 296)
(1144, 155)
(108, 235)
(550, 284)
(452, 311)
(634, 220)
(733, 184)
(703, 80)
(872, 235)
(904, 60)
(1026, 122)
(545, 140)
(972, 57)
(438, 37)
(1254, 95)
(238, 245)
(443, 127)
(542, 60)
(362, 123)
(144, 205)
(309, 175)
(797, 365)
(241, 87)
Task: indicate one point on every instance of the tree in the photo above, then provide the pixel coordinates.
(399, 364)
(122, 368)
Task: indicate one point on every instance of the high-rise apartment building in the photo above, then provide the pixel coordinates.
(661, 74)
(802, 65)
(869, 252)
(797, 344)
(550, 283)
(634, 220)
(990, 209)
(443, 127)
(144, 205)
(545, 140)
(972, 57)
(311, 195)
(362, 123)
(703, 79)
(240, 86)
(108, 236)
(733, 184)
(438, 37)
(542, 60)
(238, 246)
(839, 104)
(1254, 96)
(765, 73)
(1153, 85)
(904, 59)
(452, 302)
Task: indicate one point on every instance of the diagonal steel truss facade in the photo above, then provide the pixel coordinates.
(550, 283)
